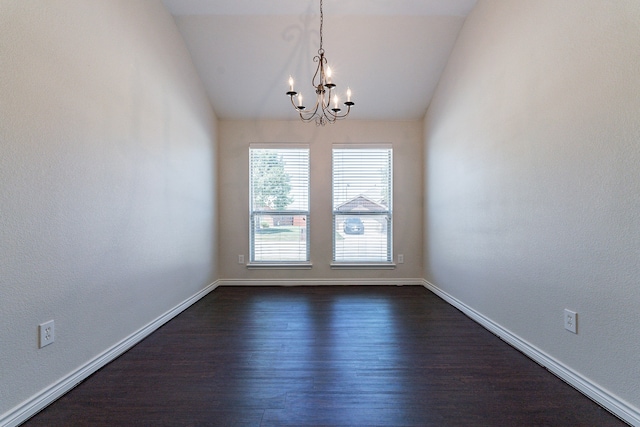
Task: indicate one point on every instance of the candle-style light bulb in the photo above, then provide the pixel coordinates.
(348, 94)
(300, 100)
(290, 84)
(335, 101)
(328, 74)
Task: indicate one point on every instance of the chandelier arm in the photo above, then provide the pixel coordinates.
(310, 114)
(329, 115)
(306, 115)
(293, 103)
(326, 101)
(306, 119)
(336, 114)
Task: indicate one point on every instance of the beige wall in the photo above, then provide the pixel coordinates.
(532, 147)
(107, 183)
(233, 179)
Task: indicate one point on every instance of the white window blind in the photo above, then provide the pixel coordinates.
(362, 203)
(279, 204)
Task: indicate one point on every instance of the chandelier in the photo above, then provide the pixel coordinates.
(323, 86)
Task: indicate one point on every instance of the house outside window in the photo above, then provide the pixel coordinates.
(362, 203)
(279, 203)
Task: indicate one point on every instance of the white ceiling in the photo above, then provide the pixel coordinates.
(389, 52)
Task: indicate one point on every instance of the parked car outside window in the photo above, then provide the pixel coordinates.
(353, 226)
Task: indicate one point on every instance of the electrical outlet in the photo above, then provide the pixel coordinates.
(400, 259)
(240, 259)
(571, 321)
(46, 333)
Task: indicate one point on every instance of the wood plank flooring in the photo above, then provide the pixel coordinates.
(323, 356)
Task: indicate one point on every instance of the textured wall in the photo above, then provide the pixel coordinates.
(235, 137)
(532, 153)
(107, 181)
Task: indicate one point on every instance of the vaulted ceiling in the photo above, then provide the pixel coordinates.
(391, 53)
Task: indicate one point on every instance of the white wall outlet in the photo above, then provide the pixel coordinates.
(400, 259)
(46, 333)
(571, 321)
(240, 259)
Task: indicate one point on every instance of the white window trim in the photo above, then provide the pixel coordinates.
(289, 265)
(279, 265)
(337, 265)
(360, 265)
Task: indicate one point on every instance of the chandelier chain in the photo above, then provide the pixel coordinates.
(321, 25)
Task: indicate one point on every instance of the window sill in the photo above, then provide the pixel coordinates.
(363, 266)
(279, 265)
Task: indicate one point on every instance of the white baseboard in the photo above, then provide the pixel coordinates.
(321, 282)
(610, 402)
(36, 403)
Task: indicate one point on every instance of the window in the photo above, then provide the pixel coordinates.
(279, 204)
(362, 200)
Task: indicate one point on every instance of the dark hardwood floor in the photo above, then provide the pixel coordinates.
(323, 356)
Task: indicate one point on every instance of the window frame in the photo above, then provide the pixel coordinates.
(256, 212)
(388, 262)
